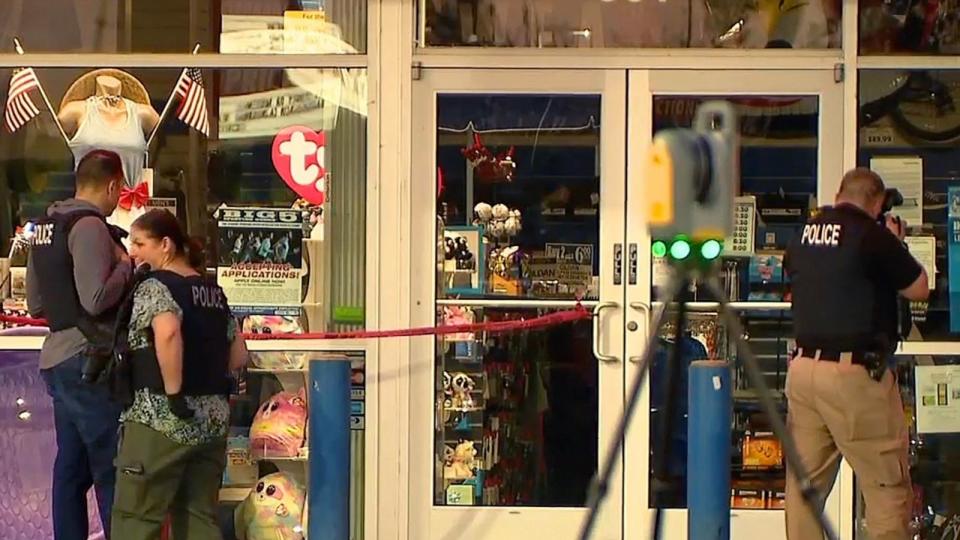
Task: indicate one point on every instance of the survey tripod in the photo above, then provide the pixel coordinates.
(683, 276)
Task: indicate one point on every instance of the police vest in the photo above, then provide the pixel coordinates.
(53, 263)
(206, 351)
(836, 306)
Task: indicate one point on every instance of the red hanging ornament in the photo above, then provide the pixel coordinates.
(487, 167)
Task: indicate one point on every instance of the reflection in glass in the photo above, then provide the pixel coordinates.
(518, 186)
(910, 122)
(174, 26)
(233, 166)
(902, 27)
(627, 23)
(516, 414)
(778, 186)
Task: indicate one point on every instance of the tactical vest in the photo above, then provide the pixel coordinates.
(836, 305)
(53, 263)
(206, 351)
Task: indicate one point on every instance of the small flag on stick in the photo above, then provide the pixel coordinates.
(193, 102)
(20, 109)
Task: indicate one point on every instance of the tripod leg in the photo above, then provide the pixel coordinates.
(667, 415)
(598, 491)
(810, 494)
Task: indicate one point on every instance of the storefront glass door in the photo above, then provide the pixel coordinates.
(791, 160)
(527, 199)
(518, 212)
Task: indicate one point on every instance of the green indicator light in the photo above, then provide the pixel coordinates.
(711, 249)
(659, 248)
(680, 249)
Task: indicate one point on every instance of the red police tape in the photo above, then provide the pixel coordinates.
(578, 313)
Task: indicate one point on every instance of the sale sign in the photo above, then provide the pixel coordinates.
(298, 157)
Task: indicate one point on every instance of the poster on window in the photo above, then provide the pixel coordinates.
(937, 399)
(260, 259)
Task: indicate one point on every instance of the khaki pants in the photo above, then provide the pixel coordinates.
(836, 409)
(157, 477)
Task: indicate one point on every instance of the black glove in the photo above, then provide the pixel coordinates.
(178, 405)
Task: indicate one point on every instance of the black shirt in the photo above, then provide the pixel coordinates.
(846, 270)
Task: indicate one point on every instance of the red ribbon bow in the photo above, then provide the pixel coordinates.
(133, 198)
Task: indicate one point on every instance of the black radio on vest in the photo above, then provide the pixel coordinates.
(206, 351)
(836, 304)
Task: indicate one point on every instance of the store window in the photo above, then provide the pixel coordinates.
(929, 390)
(174, 26)
(316, 251)
(909, 127)
(778, 187)
(736, 24)
(518, 219)
(904, 27)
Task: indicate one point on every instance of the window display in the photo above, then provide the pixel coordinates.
(173, 26)
(516, 414)
(908, 126)
(905, 27)
(928, 387)
(518, 186)
(197, 176)
(626, 23)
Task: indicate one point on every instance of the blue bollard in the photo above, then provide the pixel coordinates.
(329, 479)
(708, 450)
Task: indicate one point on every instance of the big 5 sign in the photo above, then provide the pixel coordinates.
(298, 157)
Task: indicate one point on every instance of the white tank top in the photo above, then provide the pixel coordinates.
(126, 140)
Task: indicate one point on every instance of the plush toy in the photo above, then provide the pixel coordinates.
(461, 386)
(274, 510)
(462, 463)
(499, 221)
(455, 316)
(488, 167)
(279, 426)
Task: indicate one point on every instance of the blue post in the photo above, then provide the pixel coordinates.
(708, 451)
(329, 495)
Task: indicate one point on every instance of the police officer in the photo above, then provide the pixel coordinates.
(183, 344)
(77, 273)
(846, 269)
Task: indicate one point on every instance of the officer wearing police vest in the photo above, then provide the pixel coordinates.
(183, 343)
(77, 274)
(846, 269)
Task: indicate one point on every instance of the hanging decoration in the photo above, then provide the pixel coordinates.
(487, 167)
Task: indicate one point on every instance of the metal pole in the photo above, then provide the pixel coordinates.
(166, 108)
(710, 401)
(56, 120)
(329, 477)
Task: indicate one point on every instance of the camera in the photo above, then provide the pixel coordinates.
(892, 198)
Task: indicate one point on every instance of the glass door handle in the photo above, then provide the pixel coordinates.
(596, 331)
(644, 309)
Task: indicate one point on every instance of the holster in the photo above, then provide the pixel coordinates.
(98, 351)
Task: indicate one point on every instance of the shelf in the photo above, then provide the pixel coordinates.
(234, 494)
(275, 371)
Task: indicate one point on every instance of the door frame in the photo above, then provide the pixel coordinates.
(644, 85)
(432, 522)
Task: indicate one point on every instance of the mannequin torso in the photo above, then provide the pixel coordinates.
(107, 120)
(111, 106)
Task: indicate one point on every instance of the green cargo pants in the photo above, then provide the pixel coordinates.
(157, 477)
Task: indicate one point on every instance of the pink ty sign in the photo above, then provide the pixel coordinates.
(298, 157)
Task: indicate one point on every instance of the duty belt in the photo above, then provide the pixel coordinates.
(830, 355)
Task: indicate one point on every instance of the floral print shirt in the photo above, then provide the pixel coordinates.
(211, 413)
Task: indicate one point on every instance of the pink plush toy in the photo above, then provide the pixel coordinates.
(279, 426)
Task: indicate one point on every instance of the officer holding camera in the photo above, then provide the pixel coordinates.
(77, 274)
(847, 268)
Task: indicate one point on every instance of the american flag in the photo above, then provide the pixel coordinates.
(20, 108)
(193, 103)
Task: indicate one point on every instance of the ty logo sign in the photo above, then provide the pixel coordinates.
(298, 156)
